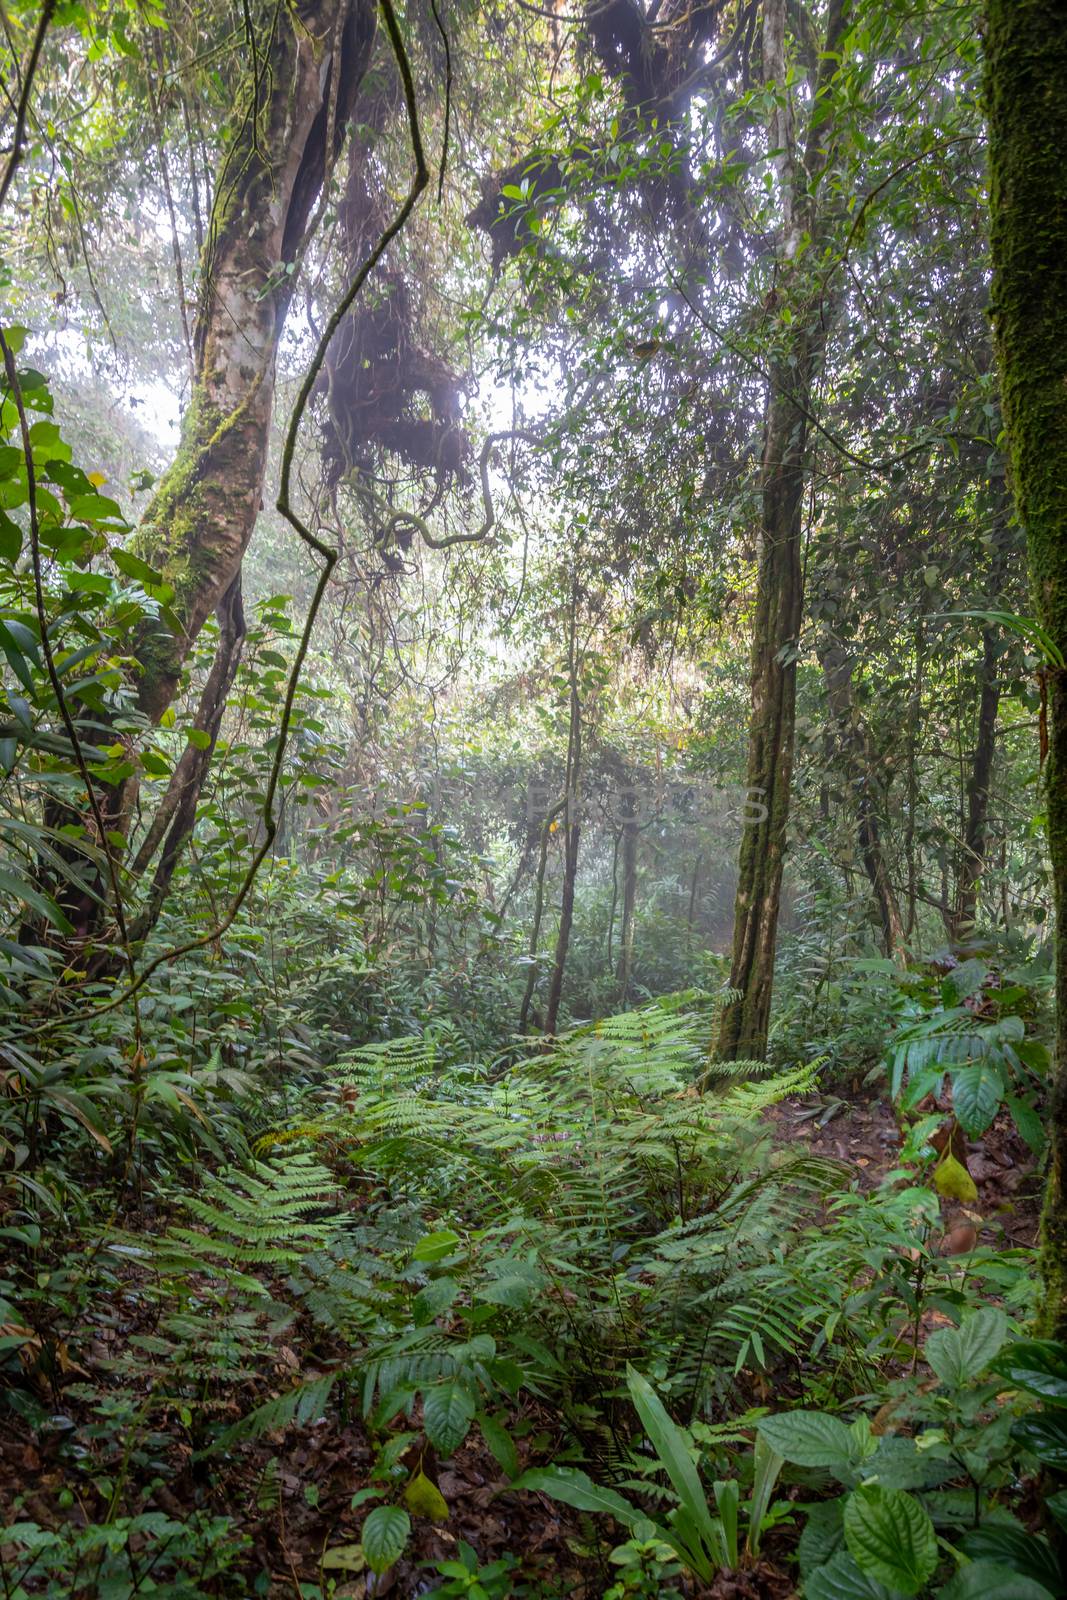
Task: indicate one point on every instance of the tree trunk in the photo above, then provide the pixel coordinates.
(779, 601)
(573, 829)
(629, 895)
(975, 833)
(176, 814)
(566, 922)
(298, 104)
(538, 913)
(1026, 75)
(780, 584)
(856, 756)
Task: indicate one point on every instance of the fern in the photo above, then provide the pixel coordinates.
(632, 1181)
(241, 1220)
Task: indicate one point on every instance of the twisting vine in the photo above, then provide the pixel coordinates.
(328, 553)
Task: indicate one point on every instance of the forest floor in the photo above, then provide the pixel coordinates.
(863, 1132)
(290, 1493)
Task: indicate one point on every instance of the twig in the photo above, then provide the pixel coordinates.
(328, 553)
(14, 159)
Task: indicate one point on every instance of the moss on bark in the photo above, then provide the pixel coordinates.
(1026, 90)
(201, 518)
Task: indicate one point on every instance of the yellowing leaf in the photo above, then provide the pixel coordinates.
(424, 1499)
(345, 1558)
(954, 1181)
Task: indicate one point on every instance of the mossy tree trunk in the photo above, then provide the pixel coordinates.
(772, 719)
(780, 583)
(1026, 89)
(297, 103)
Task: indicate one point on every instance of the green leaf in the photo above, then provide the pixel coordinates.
(1037, 1365)
(988, 1580)
(1044, 1437)
(19, 889)
(823, 1535)
(385, 1533)
(959, 1354)
(10, 538)
(976, 1095)
(1022, 1552)
(133, 567)
(500, 1443)
(447, 1413)
(890, 1537)
(433, 1299)
(1057, 1504)
(435, 1246)
(842, 1579)
(767, 1464)
(97, 509)
(198, 738)
(810, 1439)
(15, 658)
(44, 434)
(673, 1451)
(577, 1489)
(24, 638)
(1027, 1121)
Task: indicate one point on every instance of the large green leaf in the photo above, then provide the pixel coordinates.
(385, 1533)
(447, 1412)
(575, 1488)
(1037, 1365)
(1023, 1552)
(671, 1447)
(988, 1580)
(19, 889)
(823, 1535)
(810, 1439)
(1044, 1437)
(842, 1579)
(500, 1443)
(976, 1095)
(767, 1465)
(959, 1354)
(891, 1537)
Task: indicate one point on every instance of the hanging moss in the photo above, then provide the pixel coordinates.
(1026, 89)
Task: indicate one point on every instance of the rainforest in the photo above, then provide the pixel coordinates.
(533, 799)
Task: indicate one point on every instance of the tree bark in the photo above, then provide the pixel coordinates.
(769, 772)
(976, 826)
(1026, 75)
(857, 763)
(566, 923)
(176, 815)
(572, 825)
(629, 895)
(298, 102)
(780, 583)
